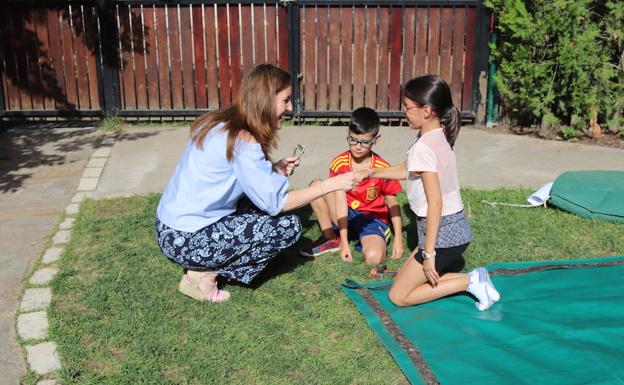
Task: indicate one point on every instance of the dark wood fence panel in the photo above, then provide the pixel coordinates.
(11, 75)
(370, 63)
(48, 58)
(457, 77)
(346, 54)
(192, 57)
(175, 57)
(469, 59)
(31, 50)
(322, 30)
(421, 42)
(359, 58)
(394, 68)
(212, 90)
(169, 58)
(126, 70)
(361, 55)
(162, 47)
(151, 57)
(90, 37)
(56, 60)
(308, 57)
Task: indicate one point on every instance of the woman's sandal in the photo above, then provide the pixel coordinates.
(190, 285)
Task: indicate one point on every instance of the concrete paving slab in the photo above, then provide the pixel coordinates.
(61, 237)
(141, 161)
(81, 196)
(485, 160)
(32, 326)
(97, 162)
(72, 209)
(36, 299)
(43, 358)
(92, 172)
(102, 152)
(67, 224)
(43, 276)
(40, 166)
(88, 184)
(52, 254)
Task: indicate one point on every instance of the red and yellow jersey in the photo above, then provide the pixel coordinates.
(368, 196)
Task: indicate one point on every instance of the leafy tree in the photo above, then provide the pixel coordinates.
(561, 63)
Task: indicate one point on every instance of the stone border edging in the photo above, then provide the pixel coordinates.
(32, 318)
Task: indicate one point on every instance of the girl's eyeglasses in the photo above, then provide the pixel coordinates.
(364, 143)
(407, 108)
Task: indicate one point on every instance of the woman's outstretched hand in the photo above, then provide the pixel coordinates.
(285, 166)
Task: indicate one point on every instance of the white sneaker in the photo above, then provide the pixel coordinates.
(484, 276)
(478, 288)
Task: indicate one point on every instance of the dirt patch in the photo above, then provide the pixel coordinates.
(606, 140)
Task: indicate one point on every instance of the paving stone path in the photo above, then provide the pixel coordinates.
(32, 319)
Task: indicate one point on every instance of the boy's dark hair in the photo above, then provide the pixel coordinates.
(364, 120)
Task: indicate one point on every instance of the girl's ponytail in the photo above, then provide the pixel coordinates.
(433, 91)
(451, 121)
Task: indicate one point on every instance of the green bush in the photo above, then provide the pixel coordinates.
(561, 63)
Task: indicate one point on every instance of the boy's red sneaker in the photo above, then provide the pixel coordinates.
(321, 246)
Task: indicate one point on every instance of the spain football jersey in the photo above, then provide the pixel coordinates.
(368, 196)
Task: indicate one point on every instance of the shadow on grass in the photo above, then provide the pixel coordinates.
(290, 259)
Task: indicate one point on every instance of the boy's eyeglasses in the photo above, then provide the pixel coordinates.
(364, 143)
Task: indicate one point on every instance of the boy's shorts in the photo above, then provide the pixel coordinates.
(361, 224)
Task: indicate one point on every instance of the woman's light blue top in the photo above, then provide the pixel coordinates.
(205, 186)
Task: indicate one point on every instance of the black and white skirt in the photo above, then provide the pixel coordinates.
(238, 247)
(454, 231)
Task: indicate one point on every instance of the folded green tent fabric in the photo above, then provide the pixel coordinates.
(590, 194)
(558, 322)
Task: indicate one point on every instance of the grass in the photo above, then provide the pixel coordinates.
(113, 125)
(118, 319)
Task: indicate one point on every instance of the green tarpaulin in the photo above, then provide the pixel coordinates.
(557, 323)
(590, 194)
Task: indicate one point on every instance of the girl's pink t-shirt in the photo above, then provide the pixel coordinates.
(431, 152)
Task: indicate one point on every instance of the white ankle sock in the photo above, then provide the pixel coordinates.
(484, 276)
(479, 290)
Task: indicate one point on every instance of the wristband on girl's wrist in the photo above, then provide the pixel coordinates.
(427, 255)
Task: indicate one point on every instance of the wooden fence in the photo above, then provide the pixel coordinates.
(185, 57)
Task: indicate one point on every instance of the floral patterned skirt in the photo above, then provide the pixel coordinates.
(238, 247)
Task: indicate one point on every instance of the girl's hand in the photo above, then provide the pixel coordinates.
(345, 252)
(346, 181)
(360, 175)
(397, 250)
(430, 271)
(285, 166)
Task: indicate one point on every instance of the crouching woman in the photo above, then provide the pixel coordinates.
(224, 210)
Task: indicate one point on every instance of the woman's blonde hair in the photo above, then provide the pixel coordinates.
(253, 110)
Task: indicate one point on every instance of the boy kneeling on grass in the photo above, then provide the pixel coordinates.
(361, 213)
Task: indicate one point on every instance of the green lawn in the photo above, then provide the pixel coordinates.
(118, 319)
